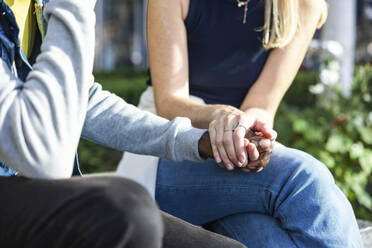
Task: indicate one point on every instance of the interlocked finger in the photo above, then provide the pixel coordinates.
(253, 152)
(228, 144)
(264, 148)
(265, 130)
(239, 144)
(220, 132)
(228, 141)
(254, 166)
(213, 137)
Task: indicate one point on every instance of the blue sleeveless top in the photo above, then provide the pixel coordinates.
(225, 56)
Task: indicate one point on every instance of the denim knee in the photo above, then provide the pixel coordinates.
(313, 171)
(309, 187)
(310, 202)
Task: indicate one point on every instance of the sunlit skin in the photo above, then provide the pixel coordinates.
(167, 43)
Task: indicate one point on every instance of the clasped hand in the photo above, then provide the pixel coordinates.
(240, 140)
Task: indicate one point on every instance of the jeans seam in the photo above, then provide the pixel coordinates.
(229, 229)
(282, 218)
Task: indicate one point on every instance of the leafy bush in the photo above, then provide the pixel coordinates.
(338, 131)
(127, 84)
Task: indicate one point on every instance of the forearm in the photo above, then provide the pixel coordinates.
(200, 114)
(112, 122)
(275, 79)
(167, 44)
(283, 63)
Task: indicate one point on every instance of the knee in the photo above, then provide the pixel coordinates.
(311, 172)
(302, 175)
(310, 183)
(132, 201)
(124, 205)
(319, 187)
(299, 167)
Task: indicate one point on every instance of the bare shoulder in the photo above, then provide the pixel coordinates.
(314, 7)
(185, 8)
(313, 11)
(169, 7)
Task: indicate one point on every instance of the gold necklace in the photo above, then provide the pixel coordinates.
(245, 4)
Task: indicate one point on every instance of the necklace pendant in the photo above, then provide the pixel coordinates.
(240, 4)
(245, 14)
(245, 4)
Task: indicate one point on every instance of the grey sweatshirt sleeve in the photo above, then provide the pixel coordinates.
(112, 122)
(41, 119)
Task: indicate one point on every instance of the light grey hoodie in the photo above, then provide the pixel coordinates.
(42, 119)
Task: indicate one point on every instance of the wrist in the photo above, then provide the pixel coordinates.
(267, 110)
(265, 115)
(204, 146)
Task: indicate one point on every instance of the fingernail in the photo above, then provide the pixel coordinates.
(230, 166)
(218, 159)
(242, 159)
(246, 142)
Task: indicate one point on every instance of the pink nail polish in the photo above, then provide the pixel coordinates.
(242, 159)
(230, 166)
(218, 160)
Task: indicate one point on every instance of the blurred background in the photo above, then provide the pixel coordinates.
(327, 112)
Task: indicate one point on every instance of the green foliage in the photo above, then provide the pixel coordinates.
(338, 131)
(298, 94)
(127, 84)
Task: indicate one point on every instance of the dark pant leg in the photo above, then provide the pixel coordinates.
(79, 212)
(180, 234)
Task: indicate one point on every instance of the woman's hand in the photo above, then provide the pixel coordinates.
(261, 115)
(228, 133)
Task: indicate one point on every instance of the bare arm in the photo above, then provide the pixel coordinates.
(282, 66)
(167, 44)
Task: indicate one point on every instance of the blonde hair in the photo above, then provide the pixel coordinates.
(282, 20)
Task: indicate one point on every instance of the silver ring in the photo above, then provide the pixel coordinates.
(231, 130)
(239, 125)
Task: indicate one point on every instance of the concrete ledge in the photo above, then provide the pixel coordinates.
(366, 232)
(103, 174)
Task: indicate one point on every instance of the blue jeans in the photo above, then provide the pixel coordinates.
(293, 202)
